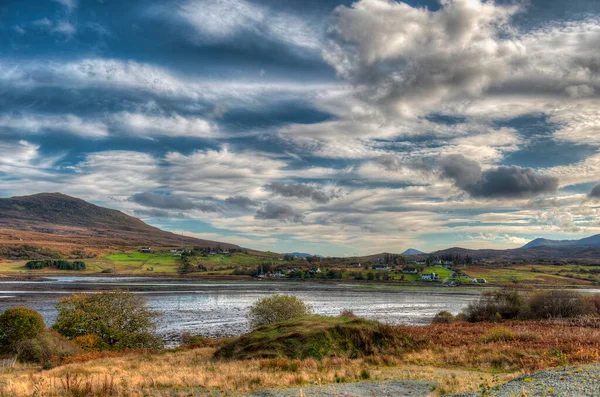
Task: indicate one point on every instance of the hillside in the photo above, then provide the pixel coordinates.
(58, 217)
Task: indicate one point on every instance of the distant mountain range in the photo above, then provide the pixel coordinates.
(412, 251)
(58, 218)
(302, 254)
(593, 241)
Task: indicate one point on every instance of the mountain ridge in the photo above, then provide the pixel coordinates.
(62, 215)
(412, 251)
(592, 241)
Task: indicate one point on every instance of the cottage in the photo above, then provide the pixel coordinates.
(354, 264)
(381, 267)
(226, 251)
(145, 250)
(430, 277)
(314, 270)
(479, 280)
(410, 270)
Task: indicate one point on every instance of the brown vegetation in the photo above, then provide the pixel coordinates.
(455, 355)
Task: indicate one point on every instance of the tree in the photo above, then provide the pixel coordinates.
(275, 309)
(17, 324)
(120, 319)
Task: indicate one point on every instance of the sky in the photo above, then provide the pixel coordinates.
(330, 127)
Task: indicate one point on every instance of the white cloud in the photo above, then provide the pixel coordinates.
(175, 125)
(34, 124)
(69, 4)
(223, 19)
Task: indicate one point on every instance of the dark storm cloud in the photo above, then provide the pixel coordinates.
(172, 202)
(157, 213)
(302, 190)
(463, 171)
(242, 201)
(501, 182)
(281, 212)
(513, 182)
(394, 163)
(595, 193)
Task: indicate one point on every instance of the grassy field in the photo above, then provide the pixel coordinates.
(134, 262)
(529, 274)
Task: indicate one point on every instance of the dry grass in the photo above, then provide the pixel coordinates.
(184, 371)
(456, 356)
(535, 345)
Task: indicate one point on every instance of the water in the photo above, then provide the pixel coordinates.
(217, 309)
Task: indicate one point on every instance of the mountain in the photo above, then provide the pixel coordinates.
(412, 251)
(302, 254)
(58, 217)
(590, 242)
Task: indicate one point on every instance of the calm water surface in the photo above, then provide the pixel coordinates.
(218, 308)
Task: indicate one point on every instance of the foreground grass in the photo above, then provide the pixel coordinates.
(458, 356)
(179, 373)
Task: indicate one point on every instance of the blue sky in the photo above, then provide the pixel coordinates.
(329, 127)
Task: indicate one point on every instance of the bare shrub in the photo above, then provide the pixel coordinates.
(494, 306)
(560, 304)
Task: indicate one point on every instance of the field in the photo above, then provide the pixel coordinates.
(459, 357)
(535, 274)
(136, 263)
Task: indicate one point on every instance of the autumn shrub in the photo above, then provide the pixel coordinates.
(347, 313)
(497, 305)
(443, 317)
(17, 324)
(121, 320)
(195, 341)
(275, 309)
(560, 304)
(46, 347)
(90, 343)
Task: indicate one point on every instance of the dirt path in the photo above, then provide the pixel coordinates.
(384, 388)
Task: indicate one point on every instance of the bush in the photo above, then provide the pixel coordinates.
(119, 319)
(90, 343)
(195, 341)
(275, 309)
(45, 347)
(347, 313)
(560, 304)
(443, 317)
(17, 324)
(493, 306)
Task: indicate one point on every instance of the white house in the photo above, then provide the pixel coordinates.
(381, 267)
(430, 277)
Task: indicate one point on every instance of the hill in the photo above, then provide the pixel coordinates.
(55, 217)
(593, 241)
(302, 254)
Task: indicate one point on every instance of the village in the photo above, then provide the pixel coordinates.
(385, 268)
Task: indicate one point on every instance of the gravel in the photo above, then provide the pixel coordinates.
(569, 382)
(385, 388)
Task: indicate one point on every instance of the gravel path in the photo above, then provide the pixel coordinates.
(384, 388)
(568, 382)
